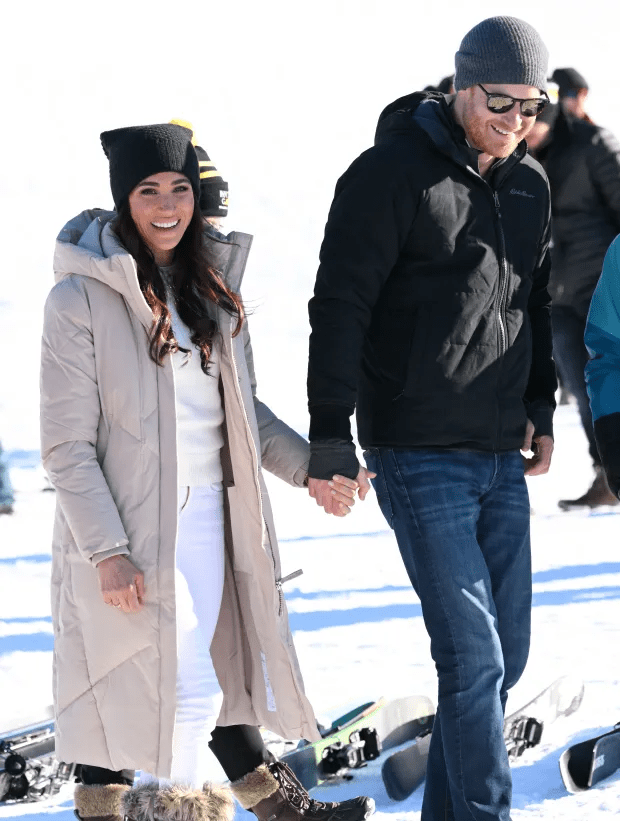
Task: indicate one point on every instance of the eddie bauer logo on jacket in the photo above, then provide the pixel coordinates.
(522, 193)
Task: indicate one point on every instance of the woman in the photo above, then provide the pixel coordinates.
(164, 544)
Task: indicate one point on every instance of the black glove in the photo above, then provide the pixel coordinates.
(331, 456)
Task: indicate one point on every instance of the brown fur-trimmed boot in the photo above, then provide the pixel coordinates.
(99, 802)
(177, 802)
(273, 793)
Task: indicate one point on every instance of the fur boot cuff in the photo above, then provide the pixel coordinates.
(98, 801)
(255, 787)
(177, 802)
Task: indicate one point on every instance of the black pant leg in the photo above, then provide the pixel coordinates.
(571, 356)
(99, 776)
(239, 749)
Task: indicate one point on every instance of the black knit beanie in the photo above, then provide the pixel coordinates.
(568, 79)
(503, 50)
(213, 188)
(138, 151)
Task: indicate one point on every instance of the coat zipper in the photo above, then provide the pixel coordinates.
(280, 582)
(503, 279)
(502, 293)
(255, 454)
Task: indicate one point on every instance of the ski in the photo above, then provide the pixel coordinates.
(585, 764)
(360, 736)
(405, 770)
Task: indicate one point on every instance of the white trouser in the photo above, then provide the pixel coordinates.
(199, 585)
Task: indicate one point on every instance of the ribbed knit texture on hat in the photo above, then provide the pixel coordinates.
(138, 151)
(213, 188)
(503, 50)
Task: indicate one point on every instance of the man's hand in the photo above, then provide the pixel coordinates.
(121, 583)
(542, 448)
(337, 496)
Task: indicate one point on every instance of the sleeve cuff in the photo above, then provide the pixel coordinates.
(301, 476)
(117, 550)
(541, 416)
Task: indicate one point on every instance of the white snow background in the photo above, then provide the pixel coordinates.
(283, 96)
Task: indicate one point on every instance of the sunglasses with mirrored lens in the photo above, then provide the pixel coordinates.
(501, 103)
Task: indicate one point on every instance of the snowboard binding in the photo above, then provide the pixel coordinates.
(29, 770)
(523, 733)
(364, 745)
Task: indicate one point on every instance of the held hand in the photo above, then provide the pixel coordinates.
(542, 448)
(337, 496)
(121, 583)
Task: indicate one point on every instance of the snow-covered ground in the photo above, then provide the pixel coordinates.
(283, 96)
(358, 627)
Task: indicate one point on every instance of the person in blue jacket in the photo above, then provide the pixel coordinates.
(7, 496)
(602, 339)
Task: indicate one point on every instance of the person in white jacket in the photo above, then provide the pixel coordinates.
(166, 583)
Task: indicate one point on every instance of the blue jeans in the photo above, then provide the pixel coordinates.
(7, 496)
(462, 521)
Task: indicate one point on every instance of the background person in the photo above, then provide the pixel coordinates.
(572, 92)
(166, 576)
(603, 369)
(430, 318)
(7, 494)
(582, 161)
(213, 191)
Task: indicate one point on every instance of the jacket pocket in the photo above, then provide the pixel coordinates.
(415, 362)
(374, 463)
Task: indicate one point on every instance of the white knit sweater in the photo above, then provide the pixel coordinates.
(199, 406)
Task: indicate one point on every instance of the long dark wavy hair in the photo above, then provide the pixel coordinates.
(195, 282)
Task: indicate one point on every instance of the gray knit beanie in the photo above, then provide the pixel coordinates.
(502, 50)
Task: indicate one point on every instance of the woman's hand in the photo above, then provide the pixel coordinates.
(121, 583)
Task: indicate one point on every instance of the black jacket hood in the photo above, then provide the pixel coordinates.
(431, 111)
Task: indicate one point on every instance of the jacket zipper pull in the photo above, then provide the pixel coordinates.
(279, 584)
(496, 201)
(290, 576)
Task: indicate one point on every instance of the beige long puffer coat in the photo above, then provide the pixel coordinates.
(108, 430)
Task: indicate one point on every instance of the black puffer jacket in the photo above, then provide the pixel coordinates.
(582, 162)
(431, 311)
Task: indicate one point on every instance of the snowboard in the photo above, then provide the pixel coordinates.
(405, 770)
(523, 728)
(29, 770)
(585, 764)
(360, 736)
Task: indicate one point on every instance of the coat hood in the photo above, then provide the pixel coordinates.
(88, 246)
(431, 112)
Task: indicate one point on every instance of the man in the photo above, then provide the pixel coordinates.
(572, 92)
(431, 315)
(582, 161)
